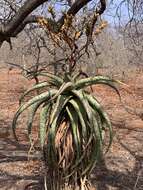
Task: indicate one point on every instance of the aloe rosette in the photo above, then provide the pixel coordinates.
(72, 125)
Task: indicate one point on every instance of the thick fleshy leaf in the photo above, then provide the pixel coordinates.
(31, 115)
(59, 81)
(35, 87)
(104, 115)
(64, 89)
(92, 81)
(74, 125)
(39, 98)
(43, 121)
(82, 116)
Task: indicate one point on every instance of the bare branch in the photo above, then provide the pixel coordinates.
(20, 16)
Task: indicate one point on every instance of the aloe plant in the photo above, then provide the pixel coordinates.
(72, 127)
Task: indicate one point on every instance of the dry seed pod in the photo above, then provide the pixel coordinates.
(50, 9)
(97, 31)
(103, 25)
(77, 35)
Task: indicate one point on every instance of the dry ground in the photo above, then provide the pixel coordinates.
(122, 167)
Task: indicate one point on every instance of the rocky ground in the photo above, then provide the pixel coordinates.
(122, 167)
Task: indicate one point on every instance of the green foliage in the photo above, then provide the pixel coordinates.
(72, 125)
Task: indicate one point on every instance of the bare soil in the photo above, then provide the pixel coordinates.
(120, 169)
